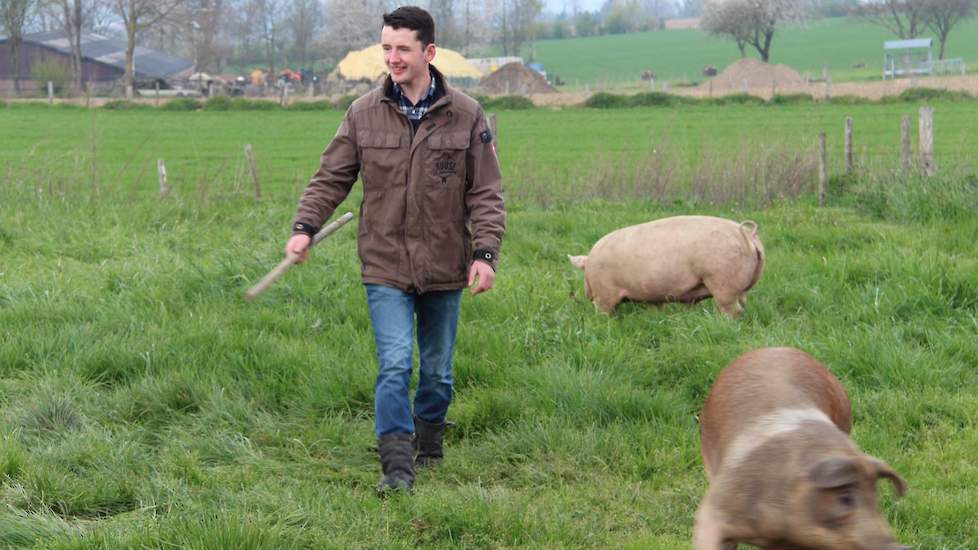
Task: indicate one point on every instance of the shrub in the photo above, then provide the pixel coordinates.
(931, 94)
(217, 103)
(123, 105)
(510, 102)
(182, 104)
(604, 100)
(321, 105)
(652, 99)
(344, 102)
(849, 100)
(738, 99)
(482, 99)
(791, 99)
(242, 104)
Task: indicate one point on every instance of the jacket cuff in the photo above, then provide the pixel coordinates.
(300, 228)
(486, 255)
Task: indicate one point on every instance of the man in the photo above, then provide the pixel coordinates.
(431, 223)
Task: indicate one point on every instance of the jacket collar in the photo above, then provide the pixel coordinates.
(443, 93)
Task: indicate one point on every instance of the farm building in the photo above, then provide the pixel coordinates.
(46, 56)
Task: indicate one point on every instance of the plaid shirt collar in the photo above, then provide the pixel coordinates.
(415, 112)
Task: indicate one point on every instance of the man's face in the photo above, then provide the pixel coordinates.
(404, 56)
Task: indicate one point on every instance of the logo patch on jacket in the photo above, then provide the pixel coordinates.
(445, 167)
(485, 136)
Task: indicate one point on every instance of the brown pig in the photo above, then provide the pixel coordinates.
(774, 434)
(678, 259)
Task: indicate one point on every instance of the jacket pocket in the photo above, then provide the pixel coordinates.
(382, 156)
(445, 174)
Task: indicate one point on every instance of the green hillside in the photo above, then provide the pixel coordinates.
(837, 43)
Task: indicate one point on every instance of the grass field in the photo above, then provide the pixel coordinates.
(676, 55)
(143, 403)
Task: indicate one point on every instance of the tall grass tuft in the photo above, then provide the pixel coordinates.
(52, 413)
(903, 196)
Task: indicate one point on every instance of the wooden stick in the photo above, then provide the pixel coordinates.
(905, 153)
(926, 129)
(848, 145)
(161, 171)
(823, 170)
(250, 156)
(290, 259)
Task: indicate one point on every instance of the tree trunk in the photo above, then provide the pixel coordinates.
(15, 58)
(130, 76)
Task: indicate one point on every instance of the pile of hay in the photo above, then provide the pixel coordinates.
(751, 73)
(515, 78)
(368, 64)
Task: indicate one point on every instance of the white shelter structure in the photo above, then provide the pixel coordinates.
(908, 57)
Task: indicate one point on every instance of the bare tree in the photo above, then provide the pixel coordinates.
(13, 18)
(751, 22)
(943, 15)
(688, 8)
(904, 18)
(515, 23)
(72, 20)
(137, 15)
(305, 19)
(446, 32)
(197, 25)
(352, 25)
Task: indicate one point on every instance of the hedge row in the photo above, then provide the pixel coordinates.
(602, 100)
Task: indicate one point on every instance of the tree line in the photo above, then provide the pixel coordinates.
(753, 23)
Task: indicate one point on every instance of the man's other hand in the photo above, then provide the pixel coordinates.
(298, 245)
(484, 273)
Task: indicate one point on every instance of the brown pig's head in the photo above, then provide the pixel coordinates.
(843, 505)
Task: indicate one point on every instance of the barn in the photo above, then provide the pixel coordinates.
(46, 56)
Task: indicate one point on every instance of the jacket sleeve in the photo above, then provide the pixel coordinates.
(339, 166)
(484, 193)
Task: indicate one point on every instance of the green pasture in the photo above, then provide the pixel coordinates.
(676, 55)
(145, 404)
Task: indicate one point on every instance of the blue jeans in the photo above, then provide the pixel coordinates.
(393, 314)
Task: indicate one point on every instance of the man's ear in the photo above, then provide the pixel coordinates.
(429, 52)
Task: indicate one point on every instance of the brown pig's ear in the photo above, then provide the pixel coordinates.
(837, 471)
(884, 470)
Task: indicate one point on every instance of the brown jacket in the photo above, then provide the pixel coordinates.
(430, 198)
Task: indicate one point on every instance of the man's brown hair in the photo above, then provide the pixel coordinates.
(415, 19)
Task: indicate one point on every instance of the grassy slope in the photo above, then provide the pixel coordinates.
(142, 402)
(674, 55)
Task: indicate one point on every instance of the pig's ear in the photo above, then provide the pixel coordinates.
(837, 471)
(884, 470)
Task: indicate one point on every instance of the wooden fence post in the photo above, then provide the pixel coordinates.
(250, 155)
(823, 169)
(905, 154)
(828, 87)
(161, 171)
(157, 93)
(848, 143)
(50, 92)
(927, 140)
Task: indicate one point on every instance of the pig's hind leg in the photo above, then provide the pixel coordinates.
(708, 531)
(727, 299)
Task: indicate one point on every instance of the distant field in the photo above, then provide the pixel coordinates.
(145, 404)
(676, 55)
